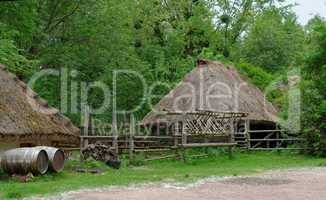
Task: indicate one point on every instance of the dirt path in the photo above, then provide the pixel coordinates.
(299, 184)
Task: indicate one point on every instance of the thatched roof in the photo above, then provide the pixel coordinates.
(25, 115)
(197, 90)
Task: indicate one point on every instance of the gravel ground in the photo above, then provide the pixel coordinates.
(296, 184)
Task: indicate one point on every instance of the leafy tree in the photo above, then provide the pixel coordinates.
(17, 24)
(274, 41)
(314, 87)
(233, 17)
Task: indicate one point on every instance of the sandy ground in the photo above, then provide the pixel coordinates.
(298, 184)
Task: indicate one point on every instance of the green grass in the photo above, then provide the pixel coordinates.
(242, 164)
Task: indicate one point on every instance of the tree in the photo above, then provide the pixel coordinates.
(274, 41)
(314, 87)
(17, 25)
(170, 34)
(233, 17)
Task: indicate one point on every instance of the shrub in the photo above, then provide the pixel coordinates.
(256, 75)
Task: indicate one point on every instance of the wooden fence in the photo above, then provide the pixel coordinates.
(202, 124)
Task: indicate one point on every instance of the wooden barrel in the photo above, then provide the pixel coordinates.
(56, 158)
(25, 160)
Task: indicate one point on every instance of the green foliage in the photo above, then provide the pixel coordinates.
(314, 87)
(16, 63)
(274, 41)
(18, 21)
(233, 17)
(257, 75)
(159, 40)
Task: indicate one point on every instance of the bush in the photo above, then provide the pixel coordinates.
(257, 75)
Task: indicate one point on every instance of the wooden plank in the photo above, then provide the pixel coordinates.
(232, 140)
(199, 133)
(87, 124)
(266, 131)
(207, 145)
(131, 137)
(151, 150)
(247, 132)
(222, 115)
(81, 158)
(271, 140)
(183, 134)
(156, 137)
(145, 147)
(115, 124)
(96, 137)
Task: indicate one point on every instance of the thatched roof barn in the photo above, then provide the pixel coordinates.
(213, 86)
(27, 120)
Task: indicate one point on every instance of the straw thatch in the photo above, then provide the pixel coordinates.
(24, 117)
(196, 92)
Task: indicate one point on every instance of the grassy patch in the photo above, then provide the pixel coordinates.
(243, 163)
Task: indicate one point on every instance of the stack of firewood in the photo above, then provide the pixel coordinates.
(99, 152)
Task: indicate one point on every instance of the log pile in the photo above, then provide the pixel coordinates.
(99, 152)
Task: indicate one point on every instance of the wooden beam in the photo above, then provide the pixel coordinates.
(231, 122)
(247, 132)
(131, 137)
(266, 131)
(151, 150)
(155, 137)
(280, 140)
(207, 145)
(212, 113)
(115, 125)
(97, 137)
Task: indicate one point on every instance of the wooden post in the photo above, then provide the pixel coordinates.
(247, 132)
(158, 129)
(81, 157)
(115, 130)
(232, 139)
(184, 134)
(176, 139)
(278, 143)
(131, 138)
(184, 140)
(175, 134)
(87, 122)
(85, 131)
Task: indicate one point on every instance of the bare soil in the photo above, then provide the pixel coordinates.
(296, 184)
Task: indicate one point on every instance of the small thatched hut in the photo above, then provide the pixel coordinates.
(27, 120)
(213, 86)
